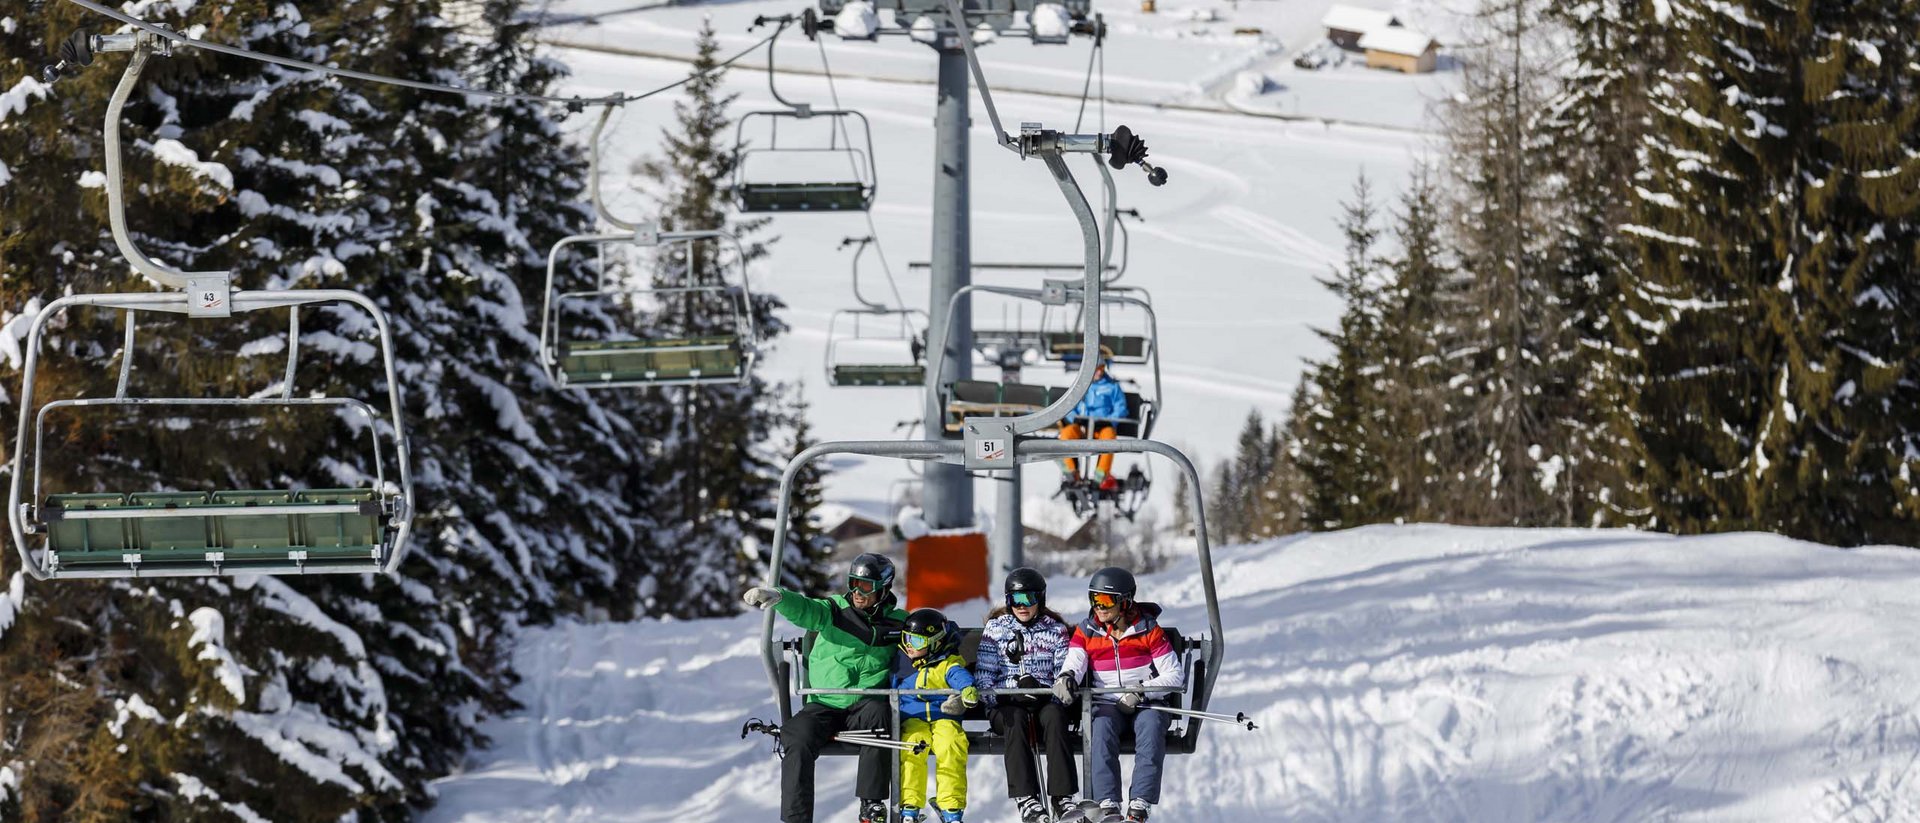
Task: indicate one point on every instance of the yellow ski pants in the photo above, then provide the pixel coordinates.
(947, 742)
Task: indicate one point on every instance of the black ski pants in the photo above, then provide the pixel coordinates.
(810, 730)
(1050, 724)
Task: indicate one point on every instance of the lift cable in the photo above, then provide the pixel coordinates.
(220, 48)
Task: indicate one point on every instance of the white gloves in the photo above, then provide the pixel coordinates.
(1063, 689)
(1130, 701)
(761, 597)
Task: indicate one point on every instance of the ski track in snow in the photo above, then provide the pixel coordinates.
(1417, 673)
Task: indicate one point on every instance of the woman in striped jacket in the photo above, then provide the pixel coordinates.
(1121, 645)
(1022, 646)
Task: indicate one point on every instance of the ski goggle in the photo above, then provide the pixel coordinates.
(1103, 600)
(1023, 599)
(917, 642)
(862, 585)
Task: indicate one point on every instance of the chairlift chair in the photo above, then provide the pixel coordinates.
(875, 344)
(764, 178)
(631, 361)
(856, 339)
(200, 532)
(802, 174)
(211, 531)
(962, 399)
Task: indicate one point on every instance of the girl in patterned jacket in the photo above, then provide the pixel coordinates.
(1022, 646)
(1121, 645)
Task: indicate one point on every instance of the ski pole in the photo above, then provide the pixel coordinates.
(1237, 717)
(882, 743)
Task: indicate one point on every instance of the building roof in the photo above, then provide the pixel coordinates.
(1410, 42)
(1352, 18)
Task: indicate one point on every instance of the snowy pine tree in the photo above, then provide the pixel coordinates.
(1767, 379)
(1519, 349)
(1338, 452)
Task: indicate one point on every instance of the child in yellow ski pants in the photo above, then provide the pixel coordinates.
(947, 742)
(931, 643)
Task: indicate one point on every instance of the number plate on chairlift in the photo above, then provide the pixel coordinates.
(989, 443)
(209, 295)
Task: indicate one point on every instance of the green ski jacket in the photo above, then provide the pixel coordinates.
(852, 651)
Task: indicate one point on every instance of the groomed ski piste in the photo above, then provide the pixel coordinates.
(1397, 673)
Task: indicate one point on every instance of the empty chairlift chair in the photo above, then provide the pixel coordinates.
(857, 355)
(212, 531)
(807, 161)
(723, 354)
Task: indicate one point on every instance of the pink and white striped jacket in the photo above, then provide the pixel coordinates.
(1139, 655)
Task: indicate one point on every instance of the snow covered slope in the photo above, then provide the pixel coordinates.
(1398, 674)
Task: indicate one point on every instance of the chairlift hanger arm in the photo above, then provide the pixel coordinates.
(143, 45)
(780, 25)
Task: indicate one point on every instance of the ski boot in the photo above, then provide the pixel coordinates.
(1032, 809)
(1067, 811)
(873, 811)
(951, 815)
(1138, 810)
(1063, 806)
(1110, 812)
(912, 814)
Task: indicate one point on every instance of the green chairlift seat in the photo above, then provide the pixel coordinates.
(879, 374)
(223, 529)
(791, 197)
(666, 360)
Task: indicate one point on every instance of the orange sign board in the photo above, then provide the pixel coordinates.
(946, 568)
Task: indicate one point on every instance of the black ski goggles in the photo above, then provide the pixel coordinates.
(1025, 599)
(864, 585)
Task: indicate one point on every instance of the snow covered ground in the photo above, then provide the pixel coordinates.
(1230, 248)
(1398, 674)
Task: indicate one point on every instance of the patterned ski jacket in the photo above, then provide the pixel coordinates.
(1009, 650)
(1139, 655)
(946, 672)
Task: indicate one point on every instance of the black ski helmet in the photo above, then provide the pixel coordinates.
(929, 625)
(1115, 581)
(872, 568)
(1029, 580)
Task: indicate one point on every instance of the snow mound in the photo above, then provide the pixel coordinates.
(856, 21)
(1050, 21)
(1397, 674)
(1252, 83)
(924, 30)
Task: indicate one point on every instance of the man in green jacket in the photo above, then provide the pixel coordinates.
(857, 634)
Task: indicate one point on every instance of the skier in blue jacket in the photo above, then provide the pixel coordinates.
(1105, 404)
